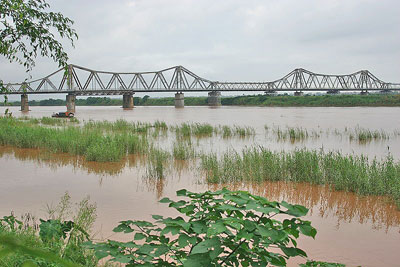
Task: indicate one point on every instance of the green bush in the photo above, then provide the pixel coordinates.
(223, 228)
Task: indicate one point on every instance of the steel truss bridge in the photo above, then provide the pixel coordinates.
(78, 80)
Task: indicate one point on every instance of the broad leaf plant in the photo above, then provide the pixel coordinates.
(222, 228)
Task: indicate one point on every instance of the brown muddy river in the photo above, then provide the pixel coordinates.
(355, 230)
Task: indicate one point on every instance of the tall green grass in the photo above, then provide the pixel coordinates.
(157, 164)
(86, 141)
(118, 125)
(50, 243)
(366, 135)
(293, 133)
(200, 130)
(183, 150)
(343, 172)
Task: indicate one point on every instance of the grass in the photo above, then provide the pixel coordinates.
(366, 135)
(49, 121)
(86, 141)
(291, 133)
(118, 126)
(243, 131)
(360, 134)
(40, 245)
(157, 163)
(343, 172)
(113, 141)
(186, 130)
(183, 150)
(202, 130)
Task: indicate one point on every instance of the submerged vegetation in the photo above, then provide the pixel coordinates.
(350, 173)
(104, 141)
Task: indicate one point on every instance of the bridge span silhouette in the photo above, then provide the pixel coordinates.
(77, 81)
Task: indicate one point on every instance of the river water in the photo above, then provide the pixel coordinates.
(352, 229)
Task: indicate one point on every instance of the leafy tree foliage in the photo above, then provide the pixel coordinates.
(223, 228)
(27, 30)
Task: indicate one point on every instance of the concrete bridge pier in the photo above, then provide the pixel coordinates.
(127, 101)
(214, 99)
(298, 93)
(71, 103)
(179, 100)
(24, 103)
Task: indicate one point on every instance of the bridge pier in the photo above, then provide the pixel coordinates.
(71, 103)
(364, 92)
(298, 93)
(127, 101)
(24, 103)
(179, 100)
(214, 99)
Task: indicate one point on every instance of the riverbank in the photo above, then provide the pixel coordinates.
(371, 100)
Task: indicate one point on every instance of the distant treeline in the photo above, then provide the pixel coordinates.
(248, 100)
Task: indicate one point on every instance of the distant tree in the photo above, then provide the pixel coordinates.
(27, 29)
(144, 99)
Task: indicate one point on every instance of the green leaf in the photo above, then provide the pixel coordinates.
(183, 240)
(292, 252)
(308, 230)
(157, 217)
(205, 245)
(100, 254)
(139, 236)
(123, 228)
(165, 200)
(295, 210)
(182, 192)
(199, 227)
(202, 247)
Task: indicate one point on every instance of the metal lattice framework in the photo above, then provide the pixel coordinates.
(83, 81)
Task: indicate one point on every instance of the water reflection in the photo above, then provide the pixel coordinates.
(343, 207)
(44, 158)
(340, 207)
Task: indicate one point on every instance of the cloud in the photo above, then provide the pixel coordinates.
(231, 40)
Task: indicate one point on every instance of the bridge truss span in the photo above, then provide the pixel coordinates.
(304, 80)
(83, 81)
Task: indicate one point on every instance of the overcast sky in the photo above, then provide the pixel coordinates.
(230, 40)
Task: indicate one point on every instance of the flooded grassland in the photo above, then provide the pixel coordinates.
(193, 148)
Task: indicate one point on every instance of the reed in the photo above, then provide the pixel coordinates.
(160, 125)
(118, 126)
(366, 135)
(343, 172)
(293, 133)
(202, 129)
(88, 142)
(245, 131)
(226, 131)
(183, 131)
(183, 150)
(157, 164)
